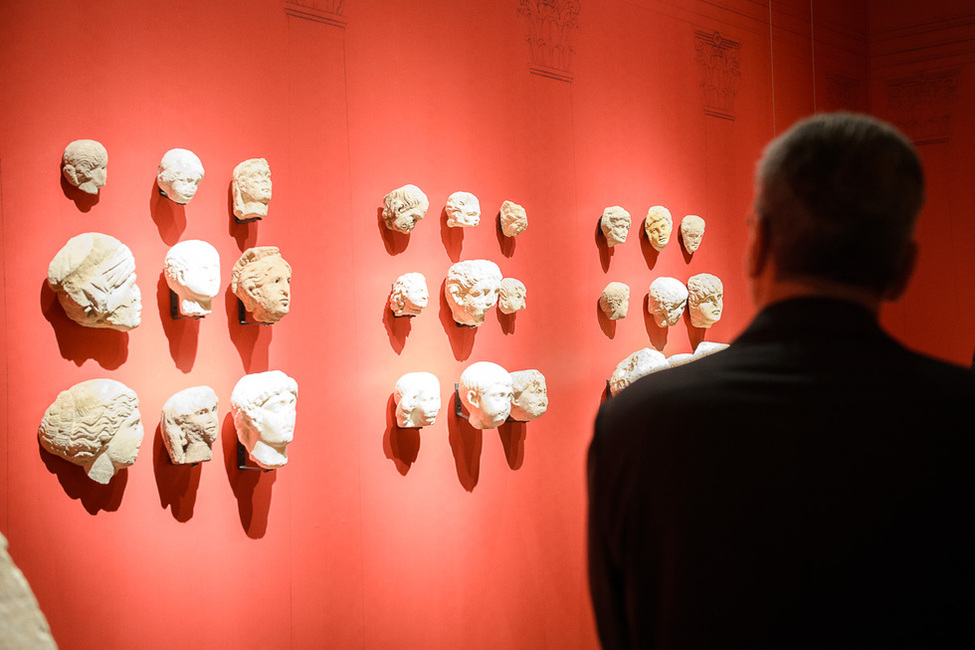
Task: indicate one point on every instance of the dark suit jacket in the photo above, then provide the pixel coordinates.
(810, 486)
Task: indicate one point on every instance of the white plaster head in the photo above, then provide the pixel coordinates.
(615, 224)
(704, 348)
(529, 395)
(85, 165)
(680, 359)
(639, 364)
(512, 296)
(692, 232)
(95, 424)
(180, 173)
(264, 408)
(94, 278)
(417, 397)
(705, 299)
(615, 300)
(514, 219)
(262, 280)
(409, 295)
(658, 226)
(486, 392)
(463, 210)
(668, 296)
(192, 271)
(189, 425)
(471, 289)
(404, 207)
(251, 189)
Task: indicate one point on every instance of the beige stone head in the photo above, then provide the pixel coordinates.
(179, 176)
(404, 206)
(615, 300)
(692, 232)
(417, 397)
(514, 219)
(264, 410)
(530, 395)
(471, 289)
(667, 299)
(486, 391)
(615, 224)
(705, 299)
(658, 226)
(409, 295)
(512, 296)
(262, 280)
(463, 210)
(251, 188)
(85, 165)
(190, 425)
(192, 271)
(639, 364)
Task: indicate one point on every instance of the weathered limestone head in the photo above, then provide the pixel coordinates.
(463, 210)
(704, 348)
(417, 397)
(530, 395)
(95, 424)
(23, 624)
(615, 224)
(471, 289)
(404, 207)
(667, 299)
(486, 392)
(192, 270)
(640, 363)
(85, 165)
(264, 409)
(705, 299)
(512, 296)
(680, 359)
(409, 295)
(94, 278)
(262, 280)
(692, 232)
(514, 219)
(189, 425)
(615, 300)
(180, 173)
(658, 225)
(251, 188)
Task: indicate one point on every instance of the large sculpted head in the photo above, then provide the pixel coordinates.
(667, 298)
(189, 425)
(95, 424)
(463, 210)
(692, 232)
(93, 276)
(251, 189)
(529, 395)
(180, 174)
(639, 364)
(417, 397)
(264, 409)
(192, 271)
(512, 295)
(262, 280)
(471, 289)
(705, 299)
(85, 165)
(409, 295)
(514, 219)
(615, 224)
(486, 391)
(658, 226)
(404, 206)
(615, 300)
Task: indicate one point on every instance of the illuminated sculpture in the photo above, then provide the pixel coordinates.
(529, 395)
(615, 300)
(404, 207)
(514, 219)
(262, 280)
(21, 620)
(705, 299)
(85, 165)
(409, 295)
(692, 232)
(658, 226)
(486, 391)
(192, 271)
(417, 397)
(263, 406)
(463, 210)
(471, 289)
(180, 174)
(615, 224)
(251, 189)
(189, 425)
(704, 348)
(667, 299)
(640, 363)
(512, 296)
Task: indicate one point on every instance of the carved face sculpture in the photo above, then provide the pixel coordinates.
(95, 424)
(615, 300)
(85, 165)
(615, 224)
(264, 408)
(658, 226)
(530, 395)
(463, 210)
(404, 207)
(262, 280)
(417, 397)
(705, 299)
(94, 278)
(692, 232)
(189, 424)
(192, 270)
(639, 364)
(486, 391)
(251, 189)
(512, 296)
(471, 289)
(514, 219)
(180, 173)
(409, 295)
(667, 299)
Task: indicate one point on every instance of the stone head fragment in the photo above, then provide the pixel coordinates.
(179, 176)
(529, 395)
(486, 391)
(409, 295)
(514, 219)
(404, 206)
(692, 232)
(262, 280)
(417, 397)
(667, 298)
(705, 299)
(615, 300)
(263, 406)
(640, 363)
(251, 188)
(189, 425)
(658, 226)
(85, 165)
(471, 289)
(192, 271)
(463, 210)
(512, 296)
(615, 224)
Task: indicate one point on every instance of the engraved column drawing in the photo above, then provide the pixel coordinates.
(719, 59)
(551, 24)
(920, 104)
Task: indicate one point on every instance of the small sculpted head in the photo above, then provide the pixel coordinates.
(658, 226)
(409, 295)
(262, 280)
(463, 210)
(180, 174)
(514, 219)
(471, 289)
(251, 188)
(667, 298)
(192, 270)
(615, 300)
(705, 299)
(615, 224)
(264, 410)
(417, 397)
(404, 206)
(85, 165)
(189, 424)
(486, 391)
(512, 296)
(529, 395)
(692, 232)
(639, 364)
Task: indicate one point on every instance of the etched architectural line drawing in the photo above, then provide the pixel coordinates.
(720, 62)
(550, 24)
(920, 104)
(330, 12)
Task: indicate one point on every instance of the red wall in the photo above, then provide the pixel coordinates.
(372, 536)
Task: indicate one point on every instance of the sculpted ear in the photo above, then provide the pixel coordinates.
(473, 398)
(71, 174)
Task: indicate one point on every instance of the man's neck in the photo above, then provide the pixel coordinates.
(773, 291)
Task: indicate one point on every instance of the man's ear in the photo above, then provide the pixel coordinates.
(905, 269)
(757, 254)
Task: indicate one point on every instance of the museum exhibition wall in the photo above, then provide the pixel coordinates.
(377, 507)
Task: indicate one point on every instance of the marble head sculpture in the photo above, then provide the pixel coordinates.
(409, 295)
(85, 165)
(93, 276)
(463, 210)
(471, 289)
(658, 226)
(615, 300)
(262, 280)
(529, 395)
(692, 232)
(263, 406)
(192, 271)
(486, 391)
(404, 206)
(705, 299)
(704, 348)
(417, 397)
(615, 224)
(189, 425)
(666, 302)
(514, 219)
(251, 189)
(640, 363)
(512, 295)
(180, 173)
(95, 424)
